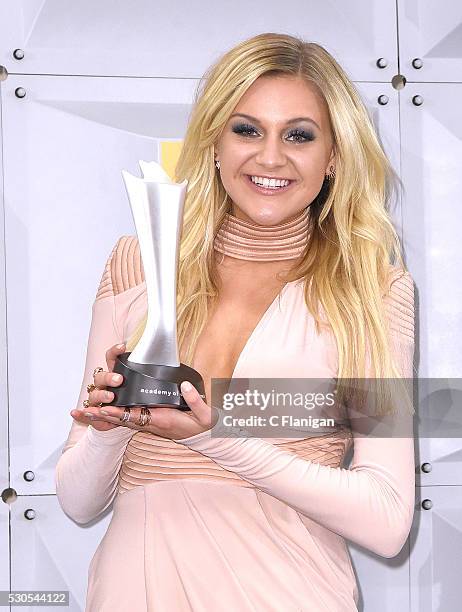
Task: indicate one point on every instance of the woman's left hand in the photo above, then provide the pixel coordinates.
(165, 422)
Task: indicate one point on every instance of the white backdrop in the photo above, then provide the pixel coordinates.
(104, 84)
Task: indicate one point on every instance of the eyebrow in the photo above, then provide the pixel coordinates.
(294, 120)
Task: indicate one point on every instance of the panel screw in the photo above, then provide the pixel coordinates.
(18, 54)
(20, 92)
(417, 100)
(426, 467)
(29, 514)
(9, 495)
(29, 475)
(383, 99)
(417, 63)
(398, 81)
(427, 504)
(382, 62)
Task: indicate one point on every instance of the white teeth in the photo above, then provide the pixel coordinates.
(269, 183)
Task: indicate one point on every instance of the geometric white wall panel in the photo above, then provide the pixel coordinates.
(65, 145)
(431, 32)
(383, 584)
(436, 551)
(51, 552)
(385, 116)
(432, 215)
(440, 438)
(386, 121)
(445, 457)
(166, 39)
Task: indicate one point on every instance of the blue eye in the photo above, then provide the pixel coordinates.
(243, 128)
(299, 135)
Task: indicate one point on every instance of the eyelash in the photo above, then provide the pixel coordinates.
(244, 128)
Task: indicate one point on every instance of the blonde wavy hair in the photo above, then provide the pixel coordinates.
(352, 240)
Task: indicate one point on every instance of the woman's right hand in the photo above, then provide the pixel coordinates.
(102, 380)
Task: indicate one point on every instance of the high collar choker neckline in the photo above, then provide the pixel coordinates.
(243, 240)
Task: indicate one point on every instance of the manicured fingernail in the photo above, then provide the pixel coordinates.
(116, 378)
(120, 346)
(88, 414)
(186, 386)
(107, 394)
(104, 412)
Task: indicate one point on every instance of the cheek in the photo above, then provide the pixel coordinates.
(314, 174)
(311, 159)
(311, 167)
(232, 183)
(234, 156)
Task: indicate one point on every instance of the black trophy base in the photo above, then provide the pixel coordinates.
(151, 385)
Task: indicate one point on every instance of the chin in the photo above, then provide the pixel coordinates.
(264, 216)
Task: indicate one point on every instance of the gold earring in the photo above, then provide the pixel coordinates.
(331, 175)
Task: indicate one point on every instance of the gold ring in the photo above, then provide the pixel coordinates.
(125, 418)
(86, 403)
(96, 370)
(145, 417)
(90, 388)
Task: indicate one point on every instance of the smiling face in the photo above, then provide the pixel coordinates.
(280, 129)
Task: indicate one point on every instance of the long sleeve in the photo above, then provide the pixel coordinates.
(372, 502)
(86, 473)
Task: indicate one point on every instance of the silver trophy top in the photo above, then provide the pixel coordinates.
(157, 205)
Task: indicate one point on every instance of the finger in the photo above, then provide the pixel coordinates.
(108, 379)
(117, 411)
(98, 396)
(113, 414)
(192, 397)
(89, 415)
(112, 353)
(79, 416)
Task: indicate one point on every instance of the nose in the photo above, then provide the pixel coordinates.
(270, 153)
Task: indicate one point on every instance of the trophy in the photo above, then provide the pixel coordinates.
(152, 372)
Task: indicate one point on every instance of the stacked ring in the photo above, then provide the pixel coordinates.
(145, 417)
(125, 418)
(91, 387)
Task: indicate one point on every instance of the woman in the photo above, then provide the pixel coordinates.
(285, 271)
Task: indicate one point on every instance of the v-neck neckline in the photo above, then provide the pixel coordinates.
(258, 327)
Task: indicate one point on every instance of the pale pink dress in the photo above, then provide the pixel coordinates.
(236, 524)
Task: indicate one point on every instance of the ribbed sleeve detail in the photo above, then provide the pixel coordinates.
(124, 268)
(399, 304)
(105, 286)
